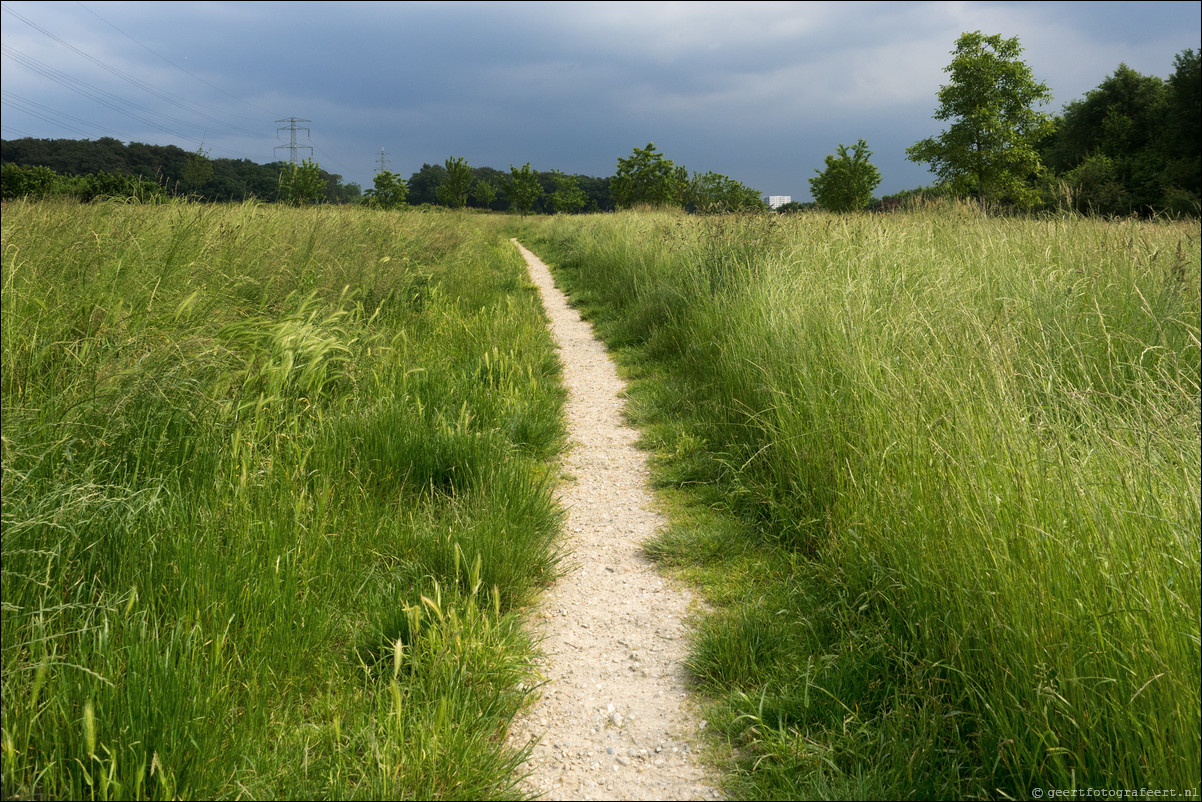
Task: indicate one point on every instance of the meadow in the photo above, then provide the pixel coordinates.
(938, 476)
(276, 489)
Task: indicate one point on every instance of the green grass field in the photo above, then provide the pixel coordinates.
(939, 475)
(277, 489)
(276, 484)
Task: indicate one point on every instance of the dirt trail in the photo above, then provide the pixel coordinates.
(614, 720)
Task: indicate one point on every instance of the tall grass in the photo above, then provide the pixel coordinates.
(275, 484)
(955, 462)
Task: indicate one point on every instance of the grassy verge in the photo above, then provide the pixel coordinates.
(939, 475)
(275, 483)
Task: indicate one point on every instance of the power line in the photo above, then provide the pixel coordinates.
(106, 99)
(327, 159)
(39, 110)
(164, 96)
(17, 131)
(142, 114)
(383, 161)
(150, 50)
(149, 117)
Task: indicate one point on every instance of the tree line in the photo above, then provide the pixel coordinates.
(1132, 145)
(645, 178)
(104, 168)
(176, 171)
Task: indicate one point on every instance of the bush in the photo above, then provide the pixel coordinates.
(18, 181)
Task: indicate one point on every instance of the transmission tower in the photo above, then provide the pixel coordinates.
(383, 161)
(292, 146)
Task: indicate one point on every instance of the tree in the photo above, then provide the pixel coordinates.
(389, 191)
(485, 192)
(17, 181)
(524, 188)
(714, 192)
(1181, 133)
(456, 184)
(646, 177)
(990, 148)
(1117, 118)
(847, 183)
(568, 196)
(424, 184)
(1104, 145)
(1096, 187)
(301, 183)
(174, 168)
(199, 170)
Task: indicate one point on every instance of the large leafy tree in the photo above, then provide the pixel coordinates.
(1116, 119)
(1104, 146)
(1132, 143)
(989, 149)
(646, 177)
(456, 183)
(524, 188)
(848, 180)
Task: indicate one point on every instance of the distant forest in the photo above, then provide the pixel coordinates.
(174, 169)
(180, 172)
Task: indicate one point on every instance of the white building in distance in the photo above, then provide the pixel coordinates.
(776, 201)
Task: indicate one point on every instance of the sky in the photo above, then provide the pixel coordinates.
(758, 91)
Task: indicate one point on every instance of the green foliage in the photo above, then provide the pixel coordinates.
(165, 165)
(423, 185)
(989, 150)
(301, 184)
(199, 170)
(523, 188)
(388, 191)
(484, 193)
(1095, 186)
(1181, 132)
(38, 183)
(937, 472)
(646, 178)
(276, 497)
(568, 196)
(1105, 143)
(1115, 119)
(34, 182)
(456, 183)
(1132, 143)
(110, 186)
(848, 181)
(714, 192)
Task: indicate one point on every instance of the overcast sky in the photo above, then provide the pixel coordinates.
(760, 92)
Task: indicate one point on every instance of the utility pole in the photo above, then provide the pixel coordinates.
(292, 146)
(383, 161)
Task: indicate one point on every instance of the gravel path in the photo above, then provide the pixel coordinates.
(614, 719)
